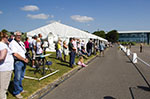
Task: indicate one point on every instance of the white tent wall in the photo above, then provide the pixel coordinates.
(56, 30)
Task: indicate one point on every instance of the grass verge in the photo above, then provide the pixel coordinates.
(33, 85)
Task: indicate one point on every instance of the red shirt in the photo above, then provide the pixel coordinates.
(26, 43)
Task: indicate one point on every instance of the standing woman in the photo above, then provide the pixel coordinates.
(59, 50)
(26, 43)
(101, 48)
(65, 50)
(6, 65)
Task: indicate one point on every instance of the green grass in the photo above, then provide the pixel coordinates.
(33, 85)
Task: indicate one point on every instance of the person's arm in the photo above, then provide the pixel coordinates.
(65, 46)
(3, 54)
(20, 57)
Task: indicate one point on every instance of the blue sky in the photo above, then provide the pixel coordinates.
(90, 15)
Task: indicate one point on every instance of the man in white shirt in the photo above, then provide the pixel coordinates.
(18, 50)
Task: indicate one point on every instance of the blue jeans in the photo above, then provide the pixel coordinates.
(57, 54)
(19, 71)
(72, 58)
(89, 52)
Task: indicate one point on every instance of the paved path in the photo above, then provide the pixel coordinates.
(109, 77)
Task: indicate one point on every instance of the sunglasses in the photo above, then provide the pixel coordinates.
(18, 35)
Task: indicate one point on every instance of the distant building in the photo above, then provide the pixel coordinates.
(134, 36)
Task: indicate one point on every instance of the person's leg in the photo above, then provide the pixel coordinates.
(64, 58)
(100, 52)
(71, 59)
(17, 77)
(4, 83)
(57, 54)
(74, 55)
(61, 56)
(103, 52)
(90, 52)
(33, 59)
(22, 75)
(83, 65)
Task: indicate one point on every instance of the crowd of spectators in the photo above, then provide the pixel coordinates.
(77, 48)
(13, 57)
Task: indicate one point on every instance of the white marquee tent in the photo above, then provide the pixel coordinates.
(57, 30)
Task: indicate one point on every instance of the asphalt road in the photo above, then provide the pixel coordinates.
(109, 77)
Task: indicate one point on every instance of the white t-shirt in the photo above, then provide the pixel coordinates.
(38, 48)
(16, 48)
(30, 42)
(33, 44)
(74, 44)
(8, 63)
(83, 44)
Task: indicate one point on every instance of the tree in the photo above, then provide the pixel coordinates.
(23, 37)
(4, 31)
(112, 36)
(100, 33)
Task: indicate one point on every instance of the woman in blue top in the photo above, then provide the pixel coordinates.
(101, 48)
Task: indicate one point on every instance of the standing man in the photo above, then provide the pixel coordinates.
(18, 50)
(89, 47)
(141, 47)
(40, 37)
(72, 52)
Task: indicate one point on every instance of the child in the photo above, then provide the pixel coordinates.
(81, 62)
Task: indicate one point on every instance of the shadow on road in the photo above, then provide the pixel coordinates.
(128, 62)
(144, 88)
(109, 97)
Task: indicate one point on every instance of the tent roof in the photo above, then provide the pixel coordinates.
(63, 31)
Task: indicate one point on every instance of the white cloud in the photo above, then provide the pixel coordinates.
(51, 21)
(1, 12)
(30, 8)
(79, 18)
(38, 16)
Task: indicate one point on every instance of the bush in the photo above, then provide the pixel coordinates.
(133, 43)
(123, 43)
(127, 43)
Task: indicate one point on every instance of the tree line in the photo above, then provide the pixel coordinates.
(111, 36)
